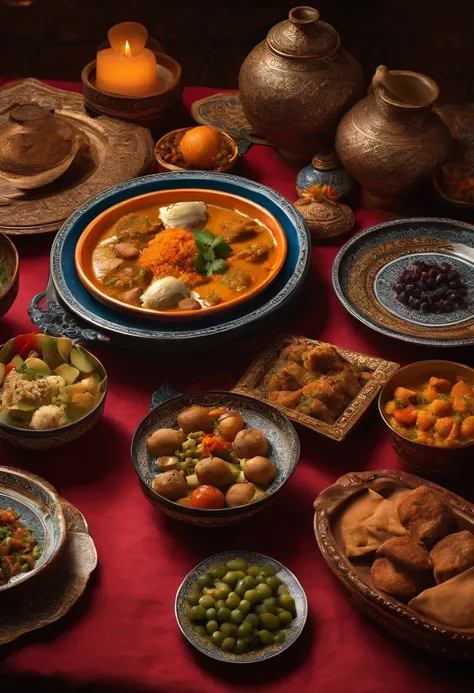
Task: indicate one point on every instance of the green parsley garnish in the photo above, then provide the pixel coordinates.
(442, 395)
(212, 253)
(399, 403)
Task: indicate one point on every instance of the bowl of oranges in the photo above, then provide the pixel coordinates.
(200, 148)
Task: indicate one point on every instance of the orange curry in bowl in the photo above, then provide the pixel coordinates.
(437, 412)
(180, 253)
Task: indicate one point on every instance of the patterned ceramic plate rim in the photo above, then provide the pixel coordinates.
(275, 302)
(296, 591)
(382, 372)
(426, 341)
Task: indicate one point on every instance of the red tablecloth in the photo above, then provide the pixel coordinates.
(122, 635)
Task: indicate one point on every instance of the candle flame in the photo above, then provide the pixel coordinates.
(127, 51)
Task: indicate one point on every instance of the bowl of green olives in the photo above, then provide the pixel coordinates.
(241, 607)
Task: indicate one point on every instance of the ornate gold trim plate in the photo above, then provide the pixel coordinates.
(54, 594)
(118, 151)
(382, 371)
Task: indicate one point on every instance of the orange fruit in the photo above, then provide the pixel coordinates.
(200, 146)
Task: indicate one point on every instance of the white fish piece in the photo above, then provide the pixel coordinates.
(112, 240)
(164, 293)
(184, 215)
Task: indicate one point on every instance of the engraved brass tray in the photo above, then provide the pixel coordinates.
(118, 151)
(382, 371)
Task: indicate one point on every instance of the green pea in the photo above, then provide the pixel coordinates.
(212, 626)
(284, 616)
(269, 621)
(211, 614)
(273, 582)
(228, 644)
(266, 637)
(207, 601)
(229, 629)
(204, 580)
(218, 638)
(252, 596)
(222, 590)
(263, 591)
(237, 564)
(223, 614)
(261, 579)
(269, 570)
(199, 630)
(287, 602)
(218, 571)
(231, 578)
(220, 604)
(241, 646)
(237, 616)
(197, 613)
(254, 570)
(245, 630)
(232, 601)
(282, 589)
(193, 598)
(260, 609)
(270, 605)
(246, 583)
(280, 636)
(245, 606)
(252, 619)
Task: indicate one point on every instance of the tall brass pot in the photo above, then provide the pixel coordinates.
(295, 85)
(392, 140)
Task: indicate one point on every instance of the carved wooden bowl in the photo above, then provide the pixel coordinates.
(394, 616)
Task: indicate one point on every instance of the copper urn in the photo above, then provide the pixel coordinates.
(392, 140)
(295, 85)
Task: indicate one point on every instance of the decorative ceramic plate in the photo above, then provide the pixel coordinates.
(223, 111)
(37, 503)
(53, 595)
(204, 643)
(117, 151)
(93, 234)
(284, 445)
(368, 265)
(382, 371)
(101, 322)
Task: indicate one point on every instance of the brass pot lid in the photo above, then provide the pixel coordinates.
(327, 218)
(325, 162)
(303, 36)
(33, 140)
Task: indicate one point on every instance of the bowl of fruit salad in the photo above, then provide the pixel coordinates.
(52, 391)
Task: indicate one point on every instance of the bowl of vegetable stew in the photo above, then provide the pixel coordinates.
(32, 527)
(429, 409)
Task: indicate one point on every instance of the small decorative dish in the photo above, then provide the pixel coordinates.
(126, 258)
(9, 274)
(455, 184)
(52, 391)
(203, 642)
(283, 451)
(169, 156)
(368, 268)
(346, 402)
(30, 512)
(53, 593)
(223, 111)
(326, 217)
(408, 622)
(425, 450)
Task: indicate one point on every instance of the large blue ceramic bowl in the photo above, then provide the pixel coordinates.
(289, 280)
(37, 502)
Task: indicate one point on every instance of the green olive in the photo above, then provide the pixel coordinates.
(237, 616)
(266, 637)
(212, 626)
(222, 590)
(252, 619)
(241, 646)
(197, 613)
(229, 629)
(261, 579)
(193, 598)
(282, 589)
(232, 601)
(245, 606)
(269, 621)
(245, 630)
(280, 636)
(252, 596)
(270, 605)
(218, 638)
(218, 571)
(284, 616)
(204, 580)
(222, 614)
(199, 630)
(263, 591)
(211, 614)
(246, 583)
(287, 602)
(273, 582)
(220, 604)
(260, 609)
(207, 601)
(228, 644)
(254, 570)
(231, 578)
(237, 564)
(269, 570)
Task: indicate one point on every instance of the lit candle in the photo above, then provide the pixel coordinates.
(127, 67)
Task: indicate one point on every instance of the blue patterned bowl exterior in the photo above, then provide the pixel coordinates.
(204, 643)
(368, 265)
(289, 280)
(336, 178)
(38, 504)
(284, 450)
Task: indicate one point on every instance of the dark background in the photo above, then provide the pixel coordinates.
(55, 38)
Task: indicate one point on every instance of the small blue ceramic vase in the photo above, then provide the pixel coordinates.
(325, 169)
